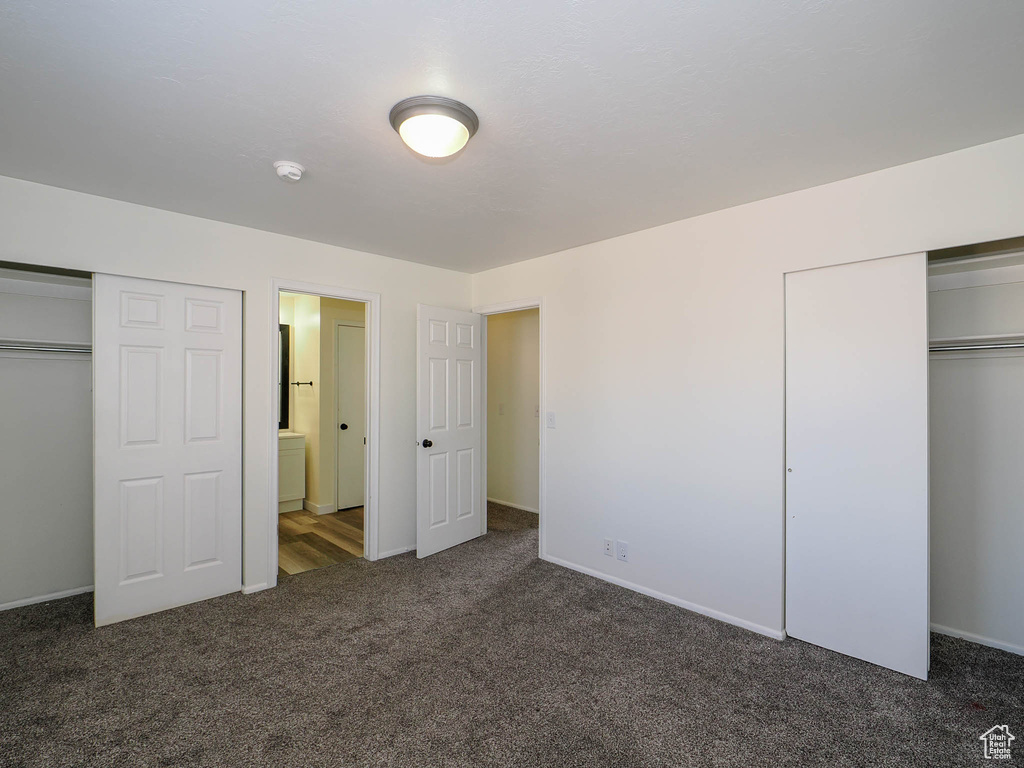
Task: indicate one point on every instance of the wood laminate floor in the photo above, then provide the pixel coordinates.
(307, 541)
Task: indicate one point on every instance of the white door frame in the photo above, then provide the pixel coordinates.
(498, 309)
(337, 417)
(370, 516)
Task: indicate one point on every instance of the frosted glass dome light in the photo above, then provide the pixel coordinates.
(434, 126)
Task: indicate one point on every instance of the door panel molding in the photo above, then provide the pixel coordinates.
(449, 507)
(167, 445)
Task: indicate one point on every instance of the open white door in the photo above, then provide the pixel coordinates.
(167, 396)
(448, 483)
(857, 460)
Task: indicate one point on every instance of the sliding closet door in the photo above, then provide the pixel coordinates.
(167, 401)
(857, 460)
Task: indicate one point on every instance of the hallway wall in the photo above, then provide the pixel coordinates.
(305, 362)
(513, 402)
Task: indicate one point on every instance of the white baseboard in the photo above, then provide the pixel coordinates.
(393, 552)
(979, 639)
(248, 589)
(318, 509)
(514, 506)
(292, 505)
(777, 634)
(45, 598)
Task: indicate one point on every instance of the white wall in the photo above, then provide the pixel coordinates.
(977, 441)
(287, 308)
(46, 225)
(513, 397)
(46, 451)
(665, 368)
(305, 366)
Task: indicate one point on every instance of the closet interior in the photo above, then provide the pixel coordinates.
(46, 499)
(976, 413)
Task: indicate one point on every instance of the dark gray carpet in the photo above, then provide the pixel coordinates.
(479, 656)
(502, 518)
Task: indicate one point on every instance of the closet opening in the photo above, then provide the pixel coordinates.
(976, 419)
(46, 520)
(904, 431)
(122, 450)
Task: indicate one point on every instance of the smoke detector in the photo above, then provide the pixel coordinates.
(289, 171)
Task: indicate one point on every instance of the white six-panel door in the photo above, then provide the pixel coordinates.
(857, 460)
(449, 508)
(167, 394)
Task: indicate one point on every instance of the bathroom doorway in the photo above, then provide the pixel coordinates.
(323, 441)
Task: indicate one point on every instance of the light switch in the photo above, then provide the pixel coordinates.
(551, 419)
(501, 409)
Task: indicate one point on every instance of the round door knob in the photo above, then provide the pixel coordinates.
(427, 443)
(344, 426)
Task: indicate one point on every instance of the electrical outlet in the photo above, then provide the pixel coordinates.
(622, 551)
(609, 548)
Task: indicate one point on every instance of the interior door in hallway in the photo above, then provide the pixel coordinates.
(857, 460)
(449, 488)
(167, 401)
(350, 386)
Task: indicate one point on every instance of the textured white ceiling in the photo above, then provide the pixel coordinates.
(597, 117)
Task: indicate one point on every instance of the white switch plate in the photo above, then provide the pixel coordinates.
(551, 419)
(622, 551)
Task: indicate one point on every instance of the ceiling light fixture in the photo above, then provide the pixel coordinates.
(434, 126)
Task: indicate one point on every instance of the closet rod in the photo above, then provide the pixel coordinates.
(43, 348)
(968, 347)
